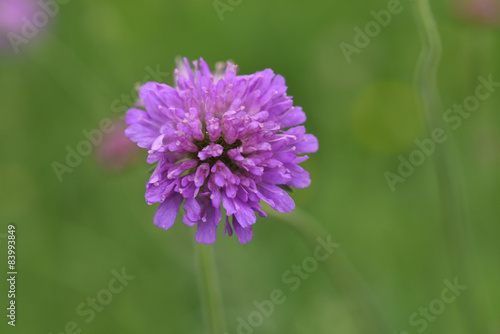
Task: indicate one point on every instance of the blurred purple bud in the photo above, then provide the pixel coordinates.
(484, 12)
(116, 152)
(22, 22)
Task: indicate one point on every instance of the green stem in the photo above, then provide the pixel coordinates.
(456, 228)
(213, 311)
(343, 275)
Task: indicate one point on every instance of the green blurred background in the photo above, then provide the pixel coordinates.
(72, 234)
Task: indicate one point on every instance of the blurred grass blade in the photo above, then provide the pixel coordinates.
(210, 289)
(343, 275)
(456, 229)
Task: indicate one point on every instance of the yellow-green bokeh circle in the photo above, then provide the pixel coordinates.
(387, 117)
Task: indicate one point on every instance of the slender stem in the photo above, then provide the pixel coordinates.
(343, 275)
(213, 311)
(456, 228)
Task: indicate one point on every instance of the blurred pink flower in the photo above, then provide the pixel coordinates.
(485, 12)
(22, 22)
(116, 151)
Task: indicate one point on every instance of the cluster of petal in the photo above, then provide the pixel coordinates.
(220, 139)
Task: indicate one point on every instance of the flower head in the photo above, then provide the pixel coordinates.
(220, 138)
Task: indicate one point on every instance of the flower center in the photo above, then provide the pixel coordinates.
(210, 152)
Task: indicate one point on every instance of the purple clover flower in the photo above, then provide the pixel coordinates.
(220, 138)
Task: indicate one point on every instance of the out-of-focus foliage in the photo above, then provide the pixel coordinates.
(82, 69)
